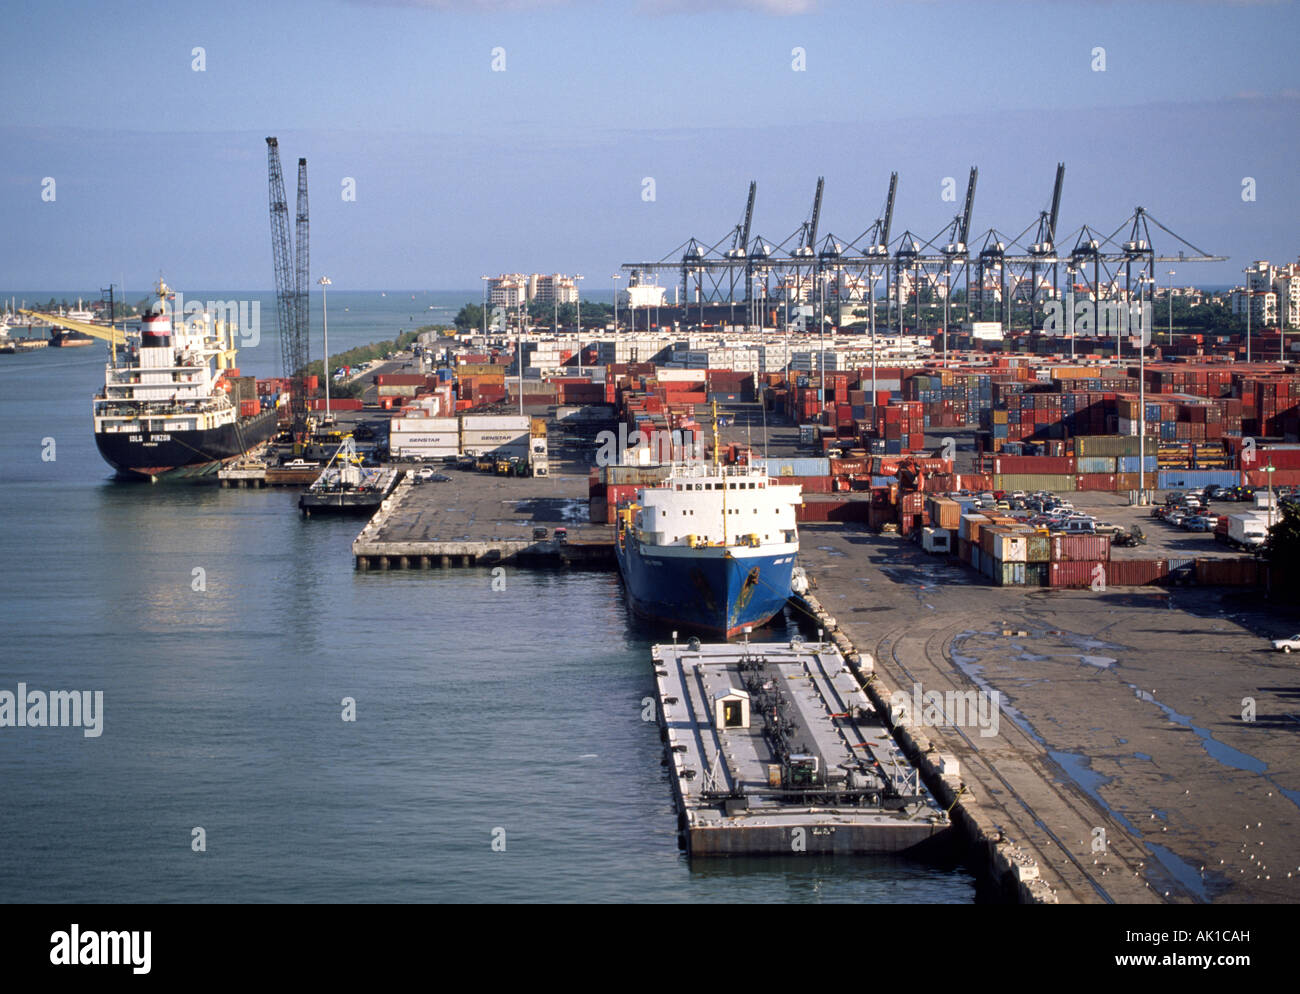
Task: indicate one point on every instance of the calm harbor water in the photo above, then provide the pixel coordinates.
(516, 712)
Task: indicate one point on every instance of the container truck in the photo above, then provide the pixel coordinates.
(1243, 531)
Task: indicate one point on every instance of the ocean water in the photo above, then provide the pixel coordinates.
(225, 632)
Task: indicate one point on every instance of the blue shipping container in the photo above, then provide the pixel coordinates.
(795, 467)
(1129, 464)
(1182, 479)
(1096, 464)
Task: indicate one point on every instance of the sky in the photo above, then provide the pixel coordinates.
(487, 136)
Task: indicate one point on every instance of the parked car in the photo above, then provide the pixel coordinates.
(1199, 523)
(1287, 644)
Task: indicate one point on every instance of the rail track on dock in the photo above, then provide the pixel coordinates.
(1022, 773)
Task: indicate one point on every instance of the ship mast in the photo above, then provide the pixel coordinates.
(718, 469)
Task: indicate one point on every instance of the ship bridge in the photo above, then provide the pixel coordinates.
(704, 505)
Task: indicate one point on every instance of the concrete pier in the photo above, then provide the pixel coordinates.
(479, 519)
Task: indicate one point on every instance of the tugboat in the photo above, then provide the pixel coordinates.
(164, 411)
(711, 549)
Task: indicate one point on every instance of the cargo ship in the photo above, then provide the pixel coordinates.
(64, 339)
(165, 412)
(711, 549)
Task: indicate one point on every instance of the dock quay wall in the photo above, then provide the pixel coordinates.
(1013, 875)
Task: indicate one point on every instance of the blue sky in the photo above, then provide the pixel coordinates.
(462, 170)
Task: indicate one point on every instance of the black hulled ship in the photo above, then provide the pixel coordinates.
(167, 410)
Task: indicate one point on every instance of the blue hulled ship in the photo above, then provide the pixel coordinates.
(711, 549)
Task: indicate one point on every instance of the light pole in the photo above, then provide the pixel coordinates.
(1069, 305)
(577, 297)
(616, 277)
(1247, 272)
(485, 279)
(324, 282)
(871, 308)
(1142, 390)
(519, 358)
(1171, 309)
(821, 333)
(1269, 470)
(947, 291)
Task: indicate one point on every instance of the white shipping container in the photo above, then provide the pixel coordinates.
(1010, 548)
(425, 451)
(495, 422)
(424, 425)
(494, 437)
(441, 438)
(936, 540)
(681, 375)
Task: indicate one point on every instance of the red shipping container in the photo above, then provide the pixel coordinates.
(810, 484)
(1135, 572)
(1096, 481)
(1074, 574)
(1080, 548)
(1034, 464)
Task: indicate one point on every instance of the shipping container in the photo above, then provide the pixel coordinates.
(1011, 465)
(1080, 574)
(968, 526)
(1112, 445)
(1009, 546)
(1238, 572)
(1009, 574)
(936, 540)
(1135, 572)
(795, 467)
(1183, 479)
(496, 422)
(1080, 548)
(1038, 548)
(1099, 464)
(945, 512)
(1029, 482)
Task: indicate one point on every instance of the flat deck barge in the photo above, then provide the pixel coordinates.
(774, 748)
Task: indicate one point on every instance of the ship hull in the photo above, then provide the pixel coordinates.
(172, 455)
(710, 590)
